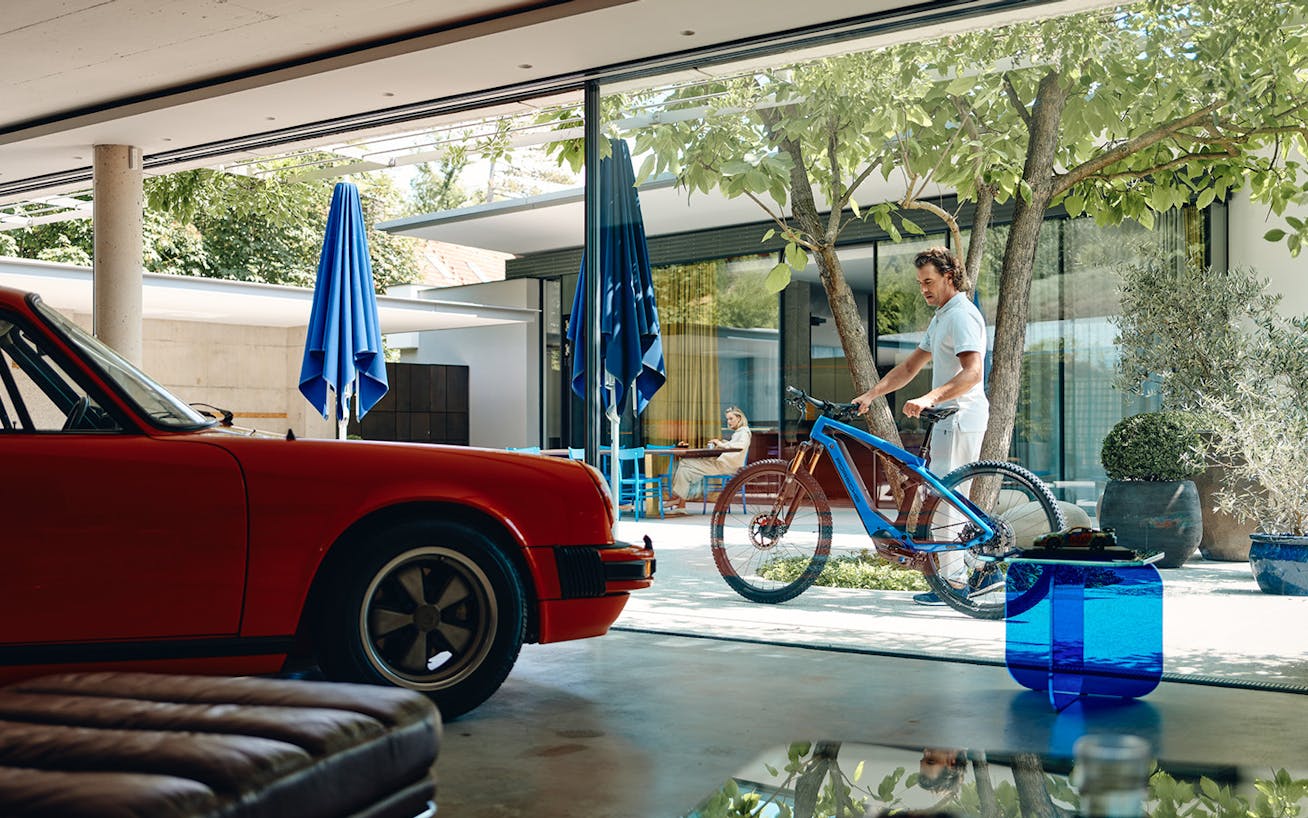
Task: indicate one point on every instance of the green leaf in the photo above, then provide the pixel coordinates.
(960, 85)
(1206, 197)
(858, 771)
(647, 168)
(853, 205)
(778, 278)
(796, 257)
(911, 226)
(768, 235)
(1074, 204)
(1210, 787)
(1274, 235)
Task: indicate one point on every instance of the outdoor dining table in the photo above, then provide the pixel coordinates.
(651, 506)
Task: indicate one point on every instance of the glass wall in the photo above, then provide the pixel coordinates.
(720, 346)
(763, 182)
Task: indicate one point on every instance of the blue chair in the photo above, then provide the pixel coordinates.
(666, 476)
(634, 487)
(524, 449)
(576, 454)
(717, 482)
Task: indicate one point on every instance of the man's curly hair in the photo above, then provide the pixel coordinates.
(945, 262)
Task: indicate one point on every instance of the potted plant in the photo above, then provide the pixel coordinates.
(1259, 438)
(1178, 318)
(1150, 500)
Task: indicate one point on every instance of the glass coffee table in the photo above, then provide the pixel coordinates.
(817, 779)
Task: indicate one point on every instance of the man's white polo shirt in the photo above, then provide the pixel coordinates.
(958, 327)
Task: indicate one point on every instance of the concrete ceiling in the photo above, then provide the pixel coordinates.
(173, 76)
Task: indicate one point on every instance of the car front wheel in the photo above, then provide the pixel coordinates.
(435, 607)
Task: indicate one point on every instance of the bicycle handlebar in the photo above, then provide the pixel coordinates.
(838, 411)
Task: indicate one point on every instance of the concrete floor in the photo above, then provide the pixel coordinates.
(636, 724)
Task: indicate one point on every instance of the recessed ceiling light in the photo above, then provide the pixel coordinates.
(388, 93)
(271, 118)
(688, 33)
(167, 138)
(79, 157)
(525, 65)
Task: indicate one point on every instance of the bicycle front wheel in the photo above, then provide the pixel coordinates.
(771, 532)
(1019, 507)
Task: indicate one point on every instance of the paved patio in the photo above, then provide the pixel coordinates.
(1217, 625)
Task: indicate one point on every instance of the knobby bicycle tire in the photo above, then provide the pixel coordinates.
(1045, 516)
(757, 541)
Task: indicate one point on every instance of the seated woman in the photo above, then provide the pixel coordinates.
(687, 480)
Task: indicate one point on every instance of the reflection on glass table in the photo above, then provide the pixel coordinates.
(822, 779)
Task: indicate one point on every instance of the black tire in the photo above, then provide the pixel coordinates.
(1023, 508)
(748, 542)
(439, 594)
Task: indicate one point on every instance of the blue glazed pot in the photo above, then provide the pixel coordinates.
(1280, 563)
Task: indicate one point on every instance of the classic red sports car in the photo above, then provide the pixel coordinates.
(138, 532)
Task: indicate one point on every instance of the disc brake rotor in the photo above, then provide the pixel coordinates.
(765, 530)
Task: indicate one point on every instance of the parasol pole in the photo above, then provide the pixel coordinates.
(615, 468)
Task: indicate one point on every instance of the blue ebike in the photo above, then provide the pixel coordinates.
(772, 524)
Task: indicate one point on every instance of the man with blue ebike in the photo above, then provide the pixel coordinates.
(955, 345)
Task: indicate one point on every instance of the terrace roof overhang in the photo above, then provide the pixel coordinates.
(220, 301)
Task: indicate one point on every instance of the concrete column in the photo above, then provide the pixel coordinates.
(118, 214)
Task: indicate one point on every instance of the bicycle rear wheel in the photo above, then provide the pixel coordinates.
(1020, 507)
(771, 532)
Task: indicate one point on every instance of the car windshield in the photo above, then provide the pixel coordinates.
(156, 403)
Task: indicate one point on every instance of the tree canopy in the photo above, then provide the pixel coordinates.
(221, 225)
(1115, 114)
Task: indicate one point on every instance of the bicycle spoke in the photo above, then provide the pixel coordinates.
(772, 546)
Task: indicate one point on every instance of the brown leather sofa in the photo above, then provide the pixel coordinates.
(136, 745)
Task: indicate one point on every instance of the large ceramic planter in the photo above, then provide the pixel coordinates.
(1148, 516)
(1224, 538)
(1280, 563)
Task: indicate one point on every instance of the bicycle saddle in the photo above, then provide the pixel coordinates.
(935, 415)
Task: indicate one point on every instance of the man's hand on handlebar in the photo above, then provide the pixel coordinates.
(798, 398)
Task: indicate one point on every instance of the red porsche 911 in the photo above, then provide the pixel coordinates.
(140, 533)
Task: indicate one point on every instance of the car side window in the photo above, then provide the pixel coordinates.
(37, 394)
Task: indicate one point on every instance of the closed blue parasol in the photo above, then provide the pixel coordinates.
(631, 351)
(343, 350)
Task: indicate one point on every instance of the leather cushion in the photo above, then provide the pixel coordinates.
(237, 747)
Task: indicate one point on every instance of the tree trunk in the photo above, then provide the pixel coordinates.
(985, 788)
(976, 245)
(808, 787)
(1019, 263)
(854, 343)
(844, 309)
(1032, 794)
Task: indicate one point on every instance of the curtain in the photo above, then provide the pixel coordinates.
(688, 407)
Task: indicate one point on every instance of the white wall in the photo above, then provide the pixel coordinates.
(503, 362)
(1248, 222)
(252, 371)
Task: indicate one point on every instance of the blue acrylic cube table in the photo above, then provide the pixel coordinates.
(1081, 627)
